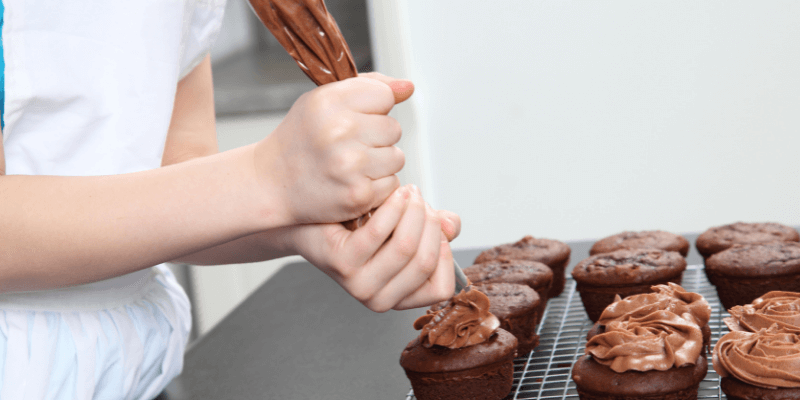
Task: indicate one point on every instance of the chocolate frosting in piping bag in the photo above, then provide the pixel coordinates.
(309, 33)
(769, 358)
(781, 308)
(654, 331)
(465, 321)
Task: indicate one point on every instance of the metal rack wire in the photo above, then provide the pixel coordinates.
(545, 373)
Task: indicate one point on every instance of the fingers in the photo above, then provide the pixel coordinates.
(379, 130)
(451, 224)
(394, 255)
(381, 189)
(364, 95)
(402, 89)
(439, 287)
(383, 162)
(411, 274)
(370, 237)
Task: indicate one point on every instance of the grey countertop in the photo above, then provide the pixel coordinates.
(301, 336)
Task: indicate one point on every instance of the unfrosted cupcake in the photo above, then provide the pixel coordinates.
(719, 238)
(550, 252)
(646, 351)
(759, 365)
(781, 309)
(742, 273)
(534, 274)
(461, 353)
(642, 240)
(600, 278)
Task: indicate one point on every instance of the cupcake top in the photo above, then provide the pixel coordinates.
(500, 346)
(509, 300)
(720, 238)
(671, 297)
(545, 251)
(464, 321)
(774, 308)
(642, 240)
(629, 267)
(505, 270)
(768, 358)
(757, 260)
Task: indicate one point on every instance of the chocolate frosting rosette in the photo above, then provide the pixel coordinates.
(464, 321)
(774, 308)
(768, 358)
(671, 297)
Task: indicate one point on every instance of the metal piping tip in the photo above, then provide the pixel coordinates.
(462, 283)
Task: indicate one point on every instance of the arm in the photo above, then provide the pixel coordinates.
(58, 231)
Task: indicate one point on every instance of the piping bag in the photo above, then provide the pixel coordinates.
(310, 35)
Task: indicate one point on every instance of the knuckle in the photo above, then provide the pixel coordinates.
(378, 307)
(344, 162)
(394, 130)
(406, 247)
(400, 157)
(362, 294)
(360, 194)
(428, 261)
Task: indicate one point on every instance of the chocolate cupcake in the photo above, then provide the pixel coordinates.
(671, 297)
(460, 352)
(600, 278)
(516, 306)
(759, 365)
(655, 355)
(781, 309)
(534, 274)
(742, 273)
(550, 252)
(723, 237)
(642, 240)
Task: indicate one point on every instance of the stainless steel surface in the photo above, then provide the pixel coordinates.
(545, 373)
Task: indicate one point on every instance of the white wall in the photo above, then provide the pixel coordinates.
(580, 119)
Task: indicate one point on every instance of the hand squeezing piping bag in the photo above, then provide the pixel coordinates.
(310, 35)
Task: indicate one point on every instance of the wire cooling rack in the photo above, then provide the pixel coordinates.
(545, 373)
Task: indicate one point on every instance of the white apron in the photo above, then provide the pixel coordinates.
(90, 86)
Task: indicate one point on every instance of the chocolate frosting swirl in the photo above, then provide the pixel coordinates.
(653, 331)
(671, 297)
(774, 308)
(769, 358)
(464, 321)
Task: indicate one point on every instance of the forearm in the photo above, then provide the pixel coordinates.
(59, 231)
(262, 246)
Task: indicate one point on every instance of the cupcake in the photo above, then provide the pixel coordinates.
(600, 278)
(759, 365)
(534, 274)
(461, 353)
(723, 237)
(642, 240)
(774, 308)
(550, 252)
(654, 353)
(517, 308)
(742, 273)
(671, 297)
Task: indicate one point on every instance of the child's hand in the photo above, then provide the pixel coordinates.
(333, 157)
(414, 268)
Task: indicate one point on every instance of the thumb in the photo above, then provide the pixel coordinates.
(402, 88)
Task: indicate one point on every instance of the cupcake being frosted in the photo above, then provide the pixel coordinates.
(461, 353)
(759, 365)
